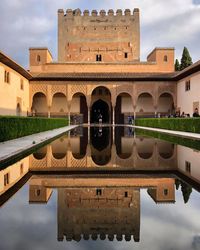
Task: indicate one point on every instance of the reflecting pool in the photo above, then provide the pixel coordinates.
(102, 188)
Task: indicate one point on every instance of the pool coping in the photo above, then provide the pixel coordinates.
(23, 146)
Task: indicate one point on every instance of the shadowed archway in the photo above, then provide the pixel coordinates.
(100, 110)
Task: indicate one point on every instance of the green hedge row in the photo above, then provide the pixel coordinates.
(180, 124)
(14, 127)
(194, 144)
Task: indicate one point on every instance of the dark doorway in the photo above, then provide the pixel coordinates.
(101, 145)
(100, 110)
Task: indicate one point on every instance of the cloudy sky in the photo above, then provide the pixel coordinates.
(32, 23)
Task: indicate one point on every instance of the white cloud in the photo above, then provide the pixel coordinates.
(27, 23)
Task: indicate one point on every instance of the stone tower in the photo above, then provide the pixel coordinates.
(98, 37)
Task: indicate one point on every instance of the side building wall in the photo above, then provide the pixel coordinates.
(188, 93)
(14, 92)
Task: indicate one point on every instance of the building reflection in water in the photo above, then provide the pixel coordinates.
(101, 208)
(104, 206)
(99, 147)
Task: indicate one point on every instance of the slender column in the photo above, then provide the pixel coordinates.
(49, 112)
(69, 107)
(88, 115)
(134, 112)
(113, 134)
(113, 116)
(49, 155)
(69, 117)
(155, 111)
(88, 134)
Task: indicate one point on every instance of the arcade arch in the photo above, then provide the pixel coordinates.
(124, 108)
(165, 104)
(79, 109)
(39, 105)
(59, 105)
(145, 106)
(101, 107)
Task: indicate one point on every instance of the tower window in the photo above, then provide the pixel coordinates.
(37, 192)
(38, 58)
(126, 194)
(98, 58)
(125, 55)
(165, 58)
(98, 191)
(165, 192)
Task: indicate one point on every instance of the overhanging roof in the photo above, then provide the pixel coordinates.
(15, 66)
(104, 76)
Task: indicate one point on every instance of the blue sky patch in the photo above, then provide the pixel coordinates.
(196, 2)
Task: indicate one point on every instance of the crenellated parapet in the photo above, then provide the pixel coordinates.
(101, 13)
(90, 36)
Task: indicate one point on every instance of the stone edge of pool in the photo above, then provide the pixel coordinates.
(14, 148)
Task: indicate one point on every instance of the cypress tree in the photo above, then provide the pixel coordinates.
(177, 65)
(186, 191)
(186, 59)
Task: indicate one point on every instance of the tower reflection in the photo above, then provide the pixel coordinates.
(99, 208)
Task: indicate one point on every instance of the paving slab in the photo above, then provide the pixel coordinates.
(189, 135)
(12, 148)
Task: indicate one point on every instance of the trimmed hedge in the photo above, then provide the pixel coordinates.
(194, 144)
(14, 127)
(179, 124)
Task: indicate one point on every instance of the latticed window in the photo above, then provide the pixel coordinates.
(187, 166)
(187, 85)
(6, 76)
(6, 179)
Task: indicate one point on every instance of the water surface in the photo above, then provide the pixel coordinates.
(102, 188)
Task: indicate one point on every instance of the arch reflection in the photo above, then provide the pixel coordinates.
(101, 145)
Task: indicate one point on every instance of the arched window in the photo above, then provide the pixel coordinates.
(38, 58)
(8, 77)
(5, 76)
(165, 58)
(21, 84)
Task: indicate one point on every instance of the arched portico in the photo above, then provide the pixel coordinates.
(100, 110)
(79, 109)
(145, 105)
(166, 104)
(39, 104)
(59, 105)
(124, 111)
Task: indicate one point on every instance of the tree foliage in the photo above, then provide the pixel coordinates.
(177, 65)
(186, 59)
(186, 191)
